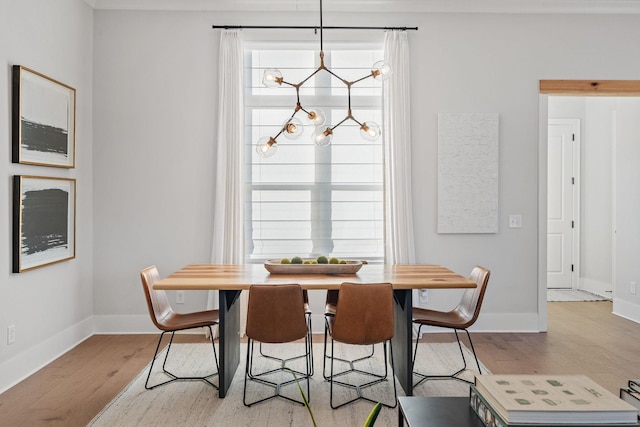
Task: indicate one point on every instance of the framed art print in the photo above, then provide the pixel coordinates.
(44, 221)
(44, 120)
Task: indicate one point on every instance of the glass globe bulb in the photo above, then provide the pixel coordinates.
(381, 70)
(322, 137)
(272, 77)
(292, 128)
(370, 131)
(316, 117)
(266, 146)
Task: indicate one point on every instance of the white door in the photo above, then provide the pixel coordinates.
(562, 168)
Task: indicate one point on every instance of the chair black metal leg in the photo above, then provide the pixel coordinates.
(308, 351)
(153, 361)
(310, 343)
(360, 387)
(352, 368)
(247, 369)
(250, 375)
(166, 355)
(473, 350)
(415, 351)
(464, 361)
(393, 375)
(453, 376)
(174, 377)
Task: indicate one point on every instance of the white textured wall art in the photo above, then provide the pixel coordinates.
(468, 172)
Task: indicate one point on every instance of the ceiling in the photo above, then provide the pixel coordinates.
(439, 6)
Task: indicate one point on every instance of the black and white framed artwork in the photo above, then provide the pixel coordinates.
(43, 122)
(44, 221)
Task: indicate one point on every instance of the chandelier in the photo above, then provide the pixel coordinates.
(292, 127)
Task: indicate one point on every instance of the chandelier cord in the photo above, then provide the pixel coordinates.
(321, 47)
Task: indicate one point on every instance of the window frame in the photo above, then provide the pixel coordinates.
(322, 187)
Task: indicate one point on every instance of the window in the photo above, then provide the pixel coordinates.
(307, 200)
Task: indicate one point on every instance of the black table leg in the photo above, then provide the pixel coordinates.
(229, 343)
(403, 339)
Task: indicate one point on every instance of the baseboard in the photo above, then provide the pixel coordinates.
(123, 324)
(501, 323)
(129, 324)
(626, 309)
(597, 287)
(19, 367)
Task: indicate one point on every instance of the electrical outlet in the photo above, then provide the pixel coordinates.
(515, 221)
(11, 334)
(424, 296)
(632, 288)
(179, 297)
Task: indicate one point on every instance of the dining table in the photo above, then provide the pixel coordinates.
(231, 279)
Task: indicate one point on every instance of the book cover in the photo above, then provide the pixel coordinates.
(553, 399)
(490, 418)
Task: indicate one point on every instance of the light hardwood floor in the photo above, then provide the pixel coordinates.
(583, 338)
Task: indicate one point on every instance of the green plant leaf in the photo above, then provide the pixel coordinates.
(371, 419)
(304, 398)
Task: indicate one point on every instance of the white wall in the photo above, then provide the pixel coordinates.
(597, 195)
(166, 64)
(51, 307)
(155, 87)
(627, 182)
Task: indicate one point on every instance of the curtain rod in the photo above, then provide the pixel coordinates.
(315, 28)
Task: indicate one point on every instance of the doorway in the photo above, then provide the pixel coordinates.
(563, 203)
(623, 227)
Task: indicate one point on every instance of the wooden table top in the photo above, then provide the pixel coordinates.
(240, 277)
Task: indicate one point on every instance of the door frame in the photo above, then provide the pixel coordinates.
(562, 87)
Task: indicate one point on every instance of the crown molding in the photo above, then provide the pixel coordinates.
(406, 6)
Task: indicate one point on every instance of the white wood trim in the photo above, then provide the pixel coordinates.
(543, 127)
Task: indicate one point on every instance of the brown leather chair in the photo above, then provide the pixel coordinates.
(331, 303)
(363, 316)
(309, 350)
(276, 314)
(461, 317)
(167, 320)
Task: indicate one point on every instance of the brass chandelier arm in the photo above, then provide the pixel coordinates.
(349, 117)
(320, 68)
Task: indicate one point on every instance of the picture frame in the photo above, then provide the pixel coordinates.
(44, 221)
(43, 120)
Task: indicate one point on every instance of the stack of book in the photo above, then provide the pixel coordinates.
(632, 393)
(548, 400)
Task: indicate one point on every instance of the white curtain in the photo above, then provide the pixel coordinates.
(228, 223)
(399, 239)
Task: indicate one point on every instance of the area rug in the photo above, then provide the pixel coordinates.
(194, 403)
(572, 295)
